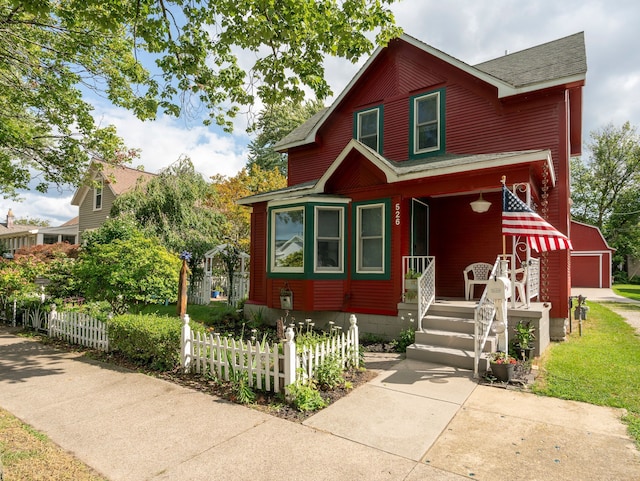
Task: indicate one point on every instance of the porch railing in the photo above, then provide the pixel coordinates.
(425, 266)
(483, 316)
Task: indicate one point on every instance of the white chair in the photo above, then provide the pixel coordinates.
(520, 283)
(476, 273)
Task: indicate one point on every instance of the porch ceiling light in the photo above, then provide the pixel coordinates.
(480, 205)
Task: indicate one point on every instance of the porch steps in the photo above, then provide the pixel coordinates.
(447, 337)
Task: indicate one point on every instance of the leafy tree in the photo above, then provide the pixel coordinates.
(171, 207)
(274, 123)
(225, 191)
(32, 221)
(54, 52)
(123, 272)
(606, 188)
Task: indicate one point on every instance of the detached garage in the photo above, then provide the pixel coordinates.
(590, 258)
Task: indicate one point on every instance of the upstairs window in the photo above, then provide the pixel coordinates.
(97, 195)
(368, 128)
(427, 133)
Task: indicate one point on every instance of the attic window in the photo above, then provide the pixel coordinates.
(97, 196)
(368, 127)
(427, 120)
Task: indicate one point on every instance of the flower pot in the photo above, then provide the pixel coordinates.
(503, 372)
(523, 354)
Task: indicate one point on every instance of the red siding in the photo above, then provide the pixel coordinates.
(476, 122)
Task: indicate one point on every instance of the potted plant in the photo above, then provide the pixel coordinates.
(524, 337)
(502, 365)
(411, 285)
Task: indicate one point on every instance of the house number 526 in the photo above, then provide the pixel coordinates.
(397, 213)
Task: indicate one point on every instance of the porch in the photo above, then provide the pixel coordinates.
(459, 332)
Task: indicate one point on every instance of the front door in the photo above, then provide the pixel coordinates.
(419, 228)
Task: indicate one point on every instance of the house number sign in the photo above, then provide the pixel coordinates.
(397, 213)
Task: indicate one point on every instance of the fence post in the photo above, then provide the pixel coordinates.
(53, 317)
(185, 338)
(289, 358)
(353, 329)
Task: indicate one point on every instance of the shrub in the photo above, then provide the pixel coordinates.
(150, 340)
(404, 340)
(329, 373)
(305, 397)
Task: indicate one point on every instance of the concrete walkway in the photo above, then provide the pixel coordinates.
(415, 421)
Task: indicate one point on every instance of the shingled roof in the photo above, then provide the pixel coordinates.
(552, 63)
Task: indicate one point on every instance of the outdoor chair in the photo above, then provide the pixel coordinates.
(476, 273)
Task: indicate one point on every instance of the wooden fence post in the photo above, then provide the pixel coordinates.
(289, 358)
(353, 330)
(186, 342)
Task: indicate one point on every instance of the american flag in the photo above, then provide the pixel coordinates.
(519, 220)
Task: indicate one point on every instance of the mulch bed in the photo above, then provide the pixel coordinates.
(267, 402)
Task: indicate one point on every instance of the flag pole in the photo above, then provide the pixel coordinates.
(504, 238)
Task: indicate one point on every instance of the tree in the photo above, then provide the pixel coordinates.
(127, 271)
(32, 221)
(606, 188)
(171, 207)
(54, 53)
(274, 123)
(225, 191)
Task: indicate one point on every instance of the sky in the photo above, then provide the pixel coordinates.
(471, 31)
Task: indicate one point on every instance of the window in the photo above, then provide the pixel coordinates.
(329, 251)
(368, 128)
(370, 241)
(287, 239)
(427, 123)
(97, 196)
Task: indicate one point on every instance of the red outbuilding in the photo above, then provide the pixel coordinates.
(591, 257)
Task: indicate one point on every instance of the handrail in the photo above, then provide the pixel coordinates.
(483, 315)
(426, 267)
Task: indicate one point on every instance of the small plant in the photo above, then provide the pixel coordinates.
(501, 358)
(305, 397)
(525, 334)
(404, 340)
(241, 389)
(329, 373)
(412, 274)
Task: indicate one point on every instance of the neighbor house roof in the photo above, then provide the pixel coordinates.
(554, 63)
(118, 178)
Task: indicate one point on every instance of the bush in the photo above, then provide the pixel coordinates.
(329, 373)
(150, 340)
(404, 340)
(305, 397)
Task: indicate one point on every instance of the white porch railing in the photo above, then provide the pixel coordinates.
(483, 316)
(425, 266)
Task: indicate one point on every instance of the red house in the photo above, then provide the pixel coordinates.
(591, 258)
(380, 185)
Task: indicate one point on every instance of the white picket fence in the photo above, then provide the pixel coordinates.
(269, 367)
(78, 328)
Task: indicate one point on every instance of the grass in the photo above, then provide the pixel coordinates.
(601, 367)
(28, 454)
(632, 291)
(196, 312)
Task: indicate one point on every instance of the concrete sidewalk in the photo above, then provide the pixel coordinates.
(415, 421)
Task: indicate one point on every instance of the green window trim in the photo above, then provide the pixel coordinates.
(358, 271)
(309, 269)
(357, 116)
(440, 148)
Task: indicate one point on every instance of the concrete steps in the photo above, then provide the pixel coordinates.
(447, 337)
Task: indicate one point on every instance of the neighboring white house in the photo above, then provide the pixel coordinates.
(16, 236)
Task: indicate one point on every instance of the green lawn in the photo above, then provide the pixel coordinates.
(600, 367)
(201, 313)
(632, 291)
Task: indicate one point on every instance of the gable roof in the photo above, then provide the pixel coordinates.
(118, 178)
(554, 63)
(409, 170)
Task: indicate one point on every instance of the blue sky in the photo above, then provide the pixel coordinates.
(471, 31)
